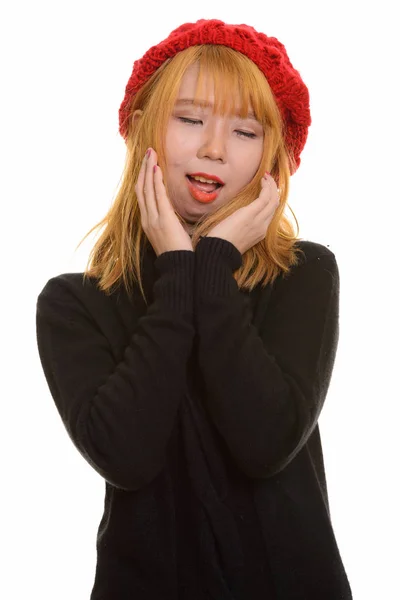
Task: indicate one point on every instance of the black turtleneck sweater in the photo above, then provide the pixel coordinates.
(200, 412)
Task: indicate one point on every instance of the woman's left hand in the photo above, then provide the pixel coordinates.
(248, 225)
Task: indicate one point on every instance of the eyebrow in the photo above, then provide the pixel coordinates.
(185, 101)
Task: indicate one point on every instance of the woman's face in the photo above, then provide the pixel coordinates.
(213, 145)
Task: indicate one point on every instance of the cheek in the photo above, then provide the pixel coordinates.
(177, 150)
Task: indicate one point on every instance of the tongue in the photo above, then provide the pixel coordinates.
(204, 187)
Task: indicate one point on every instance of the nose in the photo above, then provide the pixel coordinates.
(213, 143)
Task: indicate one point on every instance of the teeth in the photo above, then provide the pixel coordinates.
(203, 179)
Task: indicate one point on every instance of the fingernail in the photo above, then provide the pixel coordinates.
(148, 153)
(266, 173)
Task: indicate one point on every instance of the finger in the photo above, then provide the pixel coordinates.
(262, 200)
(163, 200)
(266, 203)
(159, 189)
(272, 184)
(139, 190)
(270, 187)
(272, 202)
(149, 191)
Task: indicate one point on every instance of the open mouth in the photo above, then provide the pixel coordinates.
(203, 192)
(204, 187)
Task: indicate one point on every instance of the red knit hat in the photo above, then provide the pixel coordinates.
(290, 92)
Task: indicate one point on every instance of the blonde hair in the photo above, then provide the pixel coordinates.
(115, 257)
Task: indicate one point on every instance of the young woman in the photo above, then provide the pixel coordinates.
(191, 360)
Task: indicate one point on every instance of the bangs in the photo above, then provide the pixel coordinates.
(228, 71)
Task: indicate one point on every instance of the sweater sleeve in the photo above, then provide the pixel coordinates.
(265, 392)
(120, 415)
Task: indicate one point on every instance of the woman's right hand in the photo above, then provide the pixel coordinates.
(159, 221)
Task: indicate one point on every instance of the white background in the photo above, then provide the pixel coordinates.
(63, 75)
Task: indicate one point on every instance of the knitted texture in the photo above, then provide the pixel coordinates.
(290, 92)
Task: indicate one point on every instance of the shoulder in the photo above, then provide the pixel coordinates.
(312, 251)
(68, 284)
(71, 289)
(71, 298)
(316, 264)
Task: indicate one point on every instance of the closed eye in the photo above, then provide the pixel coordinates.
(193, 122)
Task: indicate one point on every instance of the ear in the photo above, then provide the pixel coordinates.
(136, 116)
